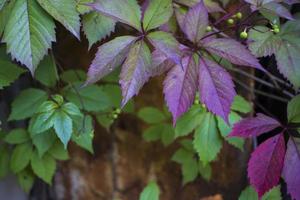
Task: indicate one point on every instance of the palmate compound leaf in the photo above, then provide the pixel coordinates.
(195, 22)
(265, 164)
(254, 126)
(35, 31)
(97, 26)
(157, 13)
(180, 87)
(291, 167)
(231, 50)
(65, 12)
(135, 70)
(108, 57)
(216, 88)
(125, 11)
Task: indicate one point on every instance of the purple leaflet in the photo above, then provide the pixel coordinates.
(180, 86)
(109, 56)
(134, 72)
(291, 168)
(195, 22)
(233, 51)
(265, 164)
(166, 44)
(254, 126)
(278, 9)
(216, 88)
(160, 64)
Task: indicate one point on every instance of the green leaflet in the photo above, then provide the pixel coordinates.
(90, 98)
(241, 105)
(65, 12)
(46, 73)
(82, 8)
(35, 30)
(207, 141)
(17, 136)
(26, 180)
(4, 160)
(27, 103)
(58, 151)
(20, 157)
(162, 131)
(97, 26)
(43, 167)
(248, 194)
(273, 194)
(150, 192)
(293, 110)
(157, 13)
(151, 115)
(63, 127)
(44, 141)
(72, 76)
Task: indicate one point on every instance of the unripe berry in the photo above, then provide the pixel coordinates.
(118, 111)
(208, 28)
(114, 116)
(243, 35)
(276, 30)
(230, 21)
(196, 102)
(239, 15)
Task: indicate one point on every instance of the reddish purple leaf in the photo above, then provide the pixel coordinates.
(160, 64)
(254, 126)
(167, 44)
(216, 88)
(265, 164)
(195, 22)
(135, 70)
(180, 87)
(291, 168)
(278, 9)
(233, 51)
(109, 56)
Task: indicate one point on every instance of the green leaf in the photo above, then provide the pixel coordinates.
(248, 194)
(125, 11)
(17, 136)
(71, 109)
(26, 180)
(63, 127)
(225, 129)
(84, 132)
(97, 26)
(82, 8)
(58, 151)
(188, 122)
(46, 73)
(205, 171)
(151, 115)
(72, 76)
(157, 13)
(150, 192)
(241, 105)
(35, 30)
(190, 170)
(5, 14)
(293, 110)
(9, 72)
(207, 141)
(167, 134)
(27, 103)
(43, 167)
(273, 194)
(4, 160)
(263, 41)
(90, 98)
(65, 12)
(44, 141)
(20, 157)
(153, 133)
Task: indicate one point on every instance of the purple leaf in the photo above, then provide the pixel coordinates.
(180, 87)
(109, 56)
(216, 88)
(291, 168)
(278, 9)
(195, 22)
(125, 11)
(160, 64)
(265, 164)
(166, 44)
(134, 72)
(254, 126)
(233, 51)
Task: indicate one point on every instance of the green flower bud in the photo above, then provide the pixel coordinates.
(276, 30)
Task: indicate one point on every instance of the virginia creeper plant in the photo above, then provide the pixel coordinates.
(196, 44)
